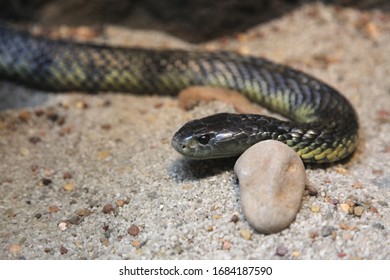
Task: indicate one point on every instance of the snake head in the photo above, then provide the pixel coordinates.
(215, 136)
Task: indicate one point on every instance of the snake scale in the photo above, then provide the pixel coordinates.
(323, 125)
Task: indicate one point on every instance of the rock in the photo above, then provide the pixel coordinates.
(272, 180)
(327, 230)
(281, 250)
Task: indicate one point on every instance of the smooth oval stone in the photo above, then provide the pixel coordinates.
(272, 180)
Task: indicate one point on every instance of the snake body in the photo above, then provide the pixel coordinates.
(323, 126)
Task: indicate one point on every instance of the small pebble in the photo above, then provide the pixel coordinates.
(53, 209)
(315, 208)
(296, 254)
(347, 236)
(34, 139)
(358, 210)
(227, 245)
(63, 250)
(74, 220)
(341, 254)
(15, 248)
(312, 190)
(272, 181)
(10, 213)
(327, 230)
(24, 151)
(46, 181)
(69, 187)
(246, 234)
(234, 218)
(120, 202)
(378, 226)
(108, 209)
(84, 212)
(281, 250)
(373, 209)
(105, 241)
(103, 154)
(62, 226)
(345, 207)
(24, 116)
(133, 230)
(67, 176)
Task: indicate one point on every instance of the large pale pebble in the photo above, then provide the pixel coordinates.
(272, 180)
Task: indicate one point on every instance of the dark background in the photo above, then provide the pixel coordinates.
(191, 20)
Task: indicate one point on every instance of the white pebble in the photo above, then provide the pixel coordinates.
(272, 180)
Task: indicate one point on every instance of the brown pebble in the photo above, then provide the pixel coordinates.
(46, 181)
(133, 230)
(108, 209)
(358, 210)
(357, 185)
(347, 236)
(341, 254)
(63, 250)
(48, 250)
(51, 116)
(377, 172)
(24, 116)
(312, 190)
(120, 202)
(373, 209)
(69, 187)
(105, 126)
(15, 248)
(65, 130)
(226, 245)
(67, 176)
(34, 167)
(83, 212)
(53, 209)
(10, 213)
(343, 226)
(105, 241)
(313, 234)
(136, 243)
(34, 139)
(345, 207)
(234, 218)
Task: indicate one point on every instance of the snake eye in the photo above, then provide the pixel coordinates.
(204, 139)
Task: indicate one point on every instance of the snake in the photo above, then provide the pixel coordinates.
(321, 125)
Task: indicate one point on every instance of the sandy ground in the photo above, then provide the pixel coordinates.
(95, 177)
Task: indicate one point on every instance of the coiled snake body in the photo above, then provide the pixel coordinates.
(323, 126)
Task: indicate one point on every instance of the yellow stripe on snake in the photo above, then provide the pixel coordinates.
(323, 126)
